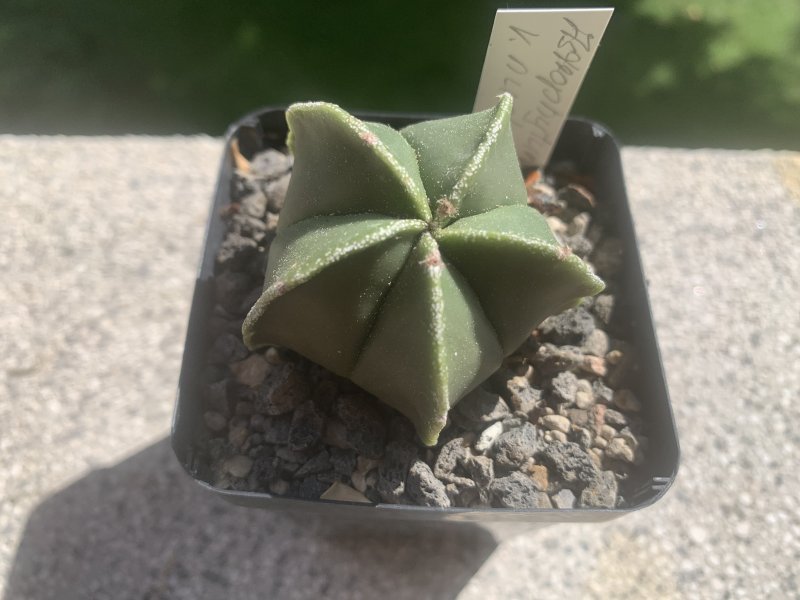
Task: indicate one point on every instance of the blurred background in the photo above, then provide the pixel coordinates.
(720, 73)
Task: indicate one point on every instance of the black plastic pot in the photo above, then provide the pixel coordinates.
(595, 153)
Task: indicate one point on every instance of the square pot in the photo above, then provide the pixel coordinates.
(595, 154)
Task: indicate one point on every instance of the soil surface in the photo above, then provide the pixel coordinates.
(557, 426)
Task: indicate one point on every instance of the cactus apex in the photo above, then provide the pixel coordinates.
(409, 261)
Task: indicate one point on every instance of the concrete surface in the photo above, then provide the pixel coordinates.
(99, 239)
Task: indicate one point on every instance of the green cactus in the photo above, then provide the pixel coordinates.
(410, 261)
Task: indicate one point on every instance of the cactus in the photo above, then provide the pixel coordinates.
(409, 261)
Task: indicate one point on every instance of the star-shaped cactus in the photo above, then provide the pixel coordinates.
(410, 261)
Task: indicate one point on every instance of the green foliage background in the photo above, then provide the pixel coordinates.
(722, 73)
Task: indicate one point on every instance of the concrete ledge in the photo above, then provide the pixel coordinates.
(99, 240)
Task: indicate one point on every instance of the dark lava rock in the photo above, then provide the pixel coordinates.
(325, 392)
(219, 448)
(551, 360)
(307, 426)
(464, 493)
(524, 397)
(343, 461)
(248, 226)
(276, 429)
(480, 469)
(572, 326)
(242, 185)
(250, 299)
(597, 343)
(563, 387)
(284, 389)
(517, 491)
(310, 488)
(265, 470)
(254, 441)
(579, 245)
(293, 456)
(364, 424)
(582, 437)
(570, 463)
(393, 472)
(236, 251)
(318, 463)
(287, 468)
(401, 429)
(602, 393)
(230, 289)
(227, 348)
(578, 416)
(607, 257)
(450, 458)
(253, 205)
(257, 267)
(601, 492)
(423, 488)
(615, 418)
(482, 407)
(513, 448)
(243, 408)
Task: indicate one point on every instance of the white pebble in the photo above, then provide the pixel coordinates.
(584, 398)
(556, 423)
(608, 432)
(272, 356)
(488, 437)
(239, 466)
(620, 449)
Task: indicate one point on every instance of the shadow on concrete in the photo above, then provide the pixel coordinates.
(142, 529)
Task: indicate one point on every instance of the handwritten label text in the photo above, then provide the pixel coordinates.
(540, 57)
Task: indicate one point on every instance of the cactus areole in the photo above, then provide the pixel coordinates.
(409, 261)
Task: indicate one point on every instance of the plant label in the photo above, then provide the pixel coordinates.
(539, 56)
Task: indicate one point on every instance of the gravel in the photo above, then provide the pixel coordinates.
(308, 423)
(480, 407)
(572, 326)
(424, 488)
(523, 396)
(569, 462)
(564, 386)
(517, 491)
(549, 405)
(364, 423)
(514, 447)
(393, 471)
(601, 491)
